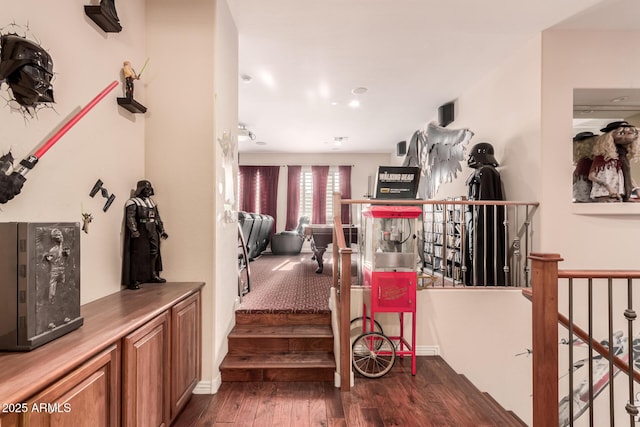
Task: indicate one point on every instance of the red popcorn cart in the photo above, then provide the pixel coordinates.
(389, 279)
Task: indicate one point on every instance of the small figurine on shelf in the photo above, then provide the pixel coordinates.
(129, 76)
(142, 261)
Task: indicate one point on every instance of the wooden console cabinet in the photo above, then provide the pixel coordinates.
(134, 362)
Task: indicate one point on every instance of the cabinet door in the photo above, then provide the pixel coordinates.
(87, 396)
(10, 420)
(145, 368)
(185, 351)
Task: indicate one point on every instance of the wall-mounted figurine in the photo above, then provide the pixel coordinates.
(610, 171)
(142, 261)
(28, 71)
(86, 220)
(105, 193)
(129, 75)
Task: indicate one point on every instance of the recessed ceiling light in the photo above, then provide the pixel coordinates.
(246, 78)
(354, 104)
(338, 140)
(261, 143)
(359, 90)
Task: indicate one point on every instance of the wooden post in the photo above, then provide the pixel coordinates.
(345, 320)
(544, 282)
(342, 283)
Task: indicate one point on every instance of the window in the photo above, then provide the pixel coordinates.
(306, 191)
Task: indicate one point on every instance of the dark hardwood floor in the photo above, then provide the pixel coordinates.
(435, 396)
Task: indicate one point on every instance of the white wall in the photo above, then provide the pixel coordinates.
(107, 144)
(193, 94)
(583, 60)
(503, 109)
(226, 167)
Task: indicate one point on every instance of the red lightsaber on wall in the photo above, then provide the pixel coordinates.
(11, 185)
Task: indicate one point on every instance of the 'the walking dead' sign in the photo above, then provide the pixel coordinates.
(397, 182)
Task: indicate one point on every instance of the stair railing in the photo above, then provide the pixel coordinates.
(516, 220)
(342, 285)
(609, 305)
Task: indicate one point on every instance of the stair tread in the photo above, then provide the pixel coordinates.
(290, 360)
(282, 331)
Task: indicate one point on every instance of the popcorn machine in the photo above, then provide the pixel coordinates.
(389, 280)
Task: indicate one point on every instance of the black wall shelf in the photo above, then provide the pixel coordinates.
(132, 105)
(103, 19)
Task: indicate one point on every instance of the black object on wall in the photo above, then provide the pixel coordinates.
(446, 113)
(105, 16)
(401, 148)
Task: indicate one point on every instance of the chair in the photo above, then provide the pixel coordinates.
(290, 242)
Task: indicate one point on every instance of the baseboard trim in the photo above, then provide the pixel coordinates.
(427, 350)
(208, 387)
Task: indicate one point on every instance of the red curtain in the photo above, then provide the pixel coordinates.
(345, 190)
(319, 176)
(268, 176)
(248, 184)
(293, 197)
(264, 178)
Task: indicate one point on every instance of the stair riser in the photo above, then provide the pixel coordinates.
(278, 345)
(278, 374)
(282, 319)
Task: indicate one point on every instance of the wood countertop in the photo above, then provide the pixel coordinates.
(106, 321)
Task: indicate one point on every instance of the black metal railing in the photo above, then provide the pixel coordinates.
(580, 368)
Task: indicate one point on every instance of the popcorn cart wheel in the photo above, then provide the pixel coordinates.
(360, 325)
(373, 354)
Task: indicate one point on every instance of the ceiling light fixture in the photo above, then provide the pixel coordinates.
(246, 78)
(245, 134)
(354, 104)
(338, 140)
(359, 90)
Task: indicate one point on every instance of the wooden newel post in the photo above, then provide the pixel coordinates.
(544, 283)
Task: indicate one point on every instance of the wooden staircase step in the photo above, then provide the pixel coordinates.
(291, 366)
(281, 331)
(489, 405)
(253, 318)
(254, 339)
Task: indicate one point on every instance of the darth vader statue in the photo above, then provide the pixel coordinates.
(485, 233)
(142, 261)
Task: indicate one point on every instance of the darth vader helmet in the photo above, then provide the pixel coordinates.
(27, 69)
(481, 154)
(144, 189)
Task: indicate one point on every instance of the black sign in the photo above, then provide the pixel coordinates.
(397, 182)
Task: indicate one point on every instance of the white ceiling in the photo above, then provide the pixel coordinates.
(306, 56)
